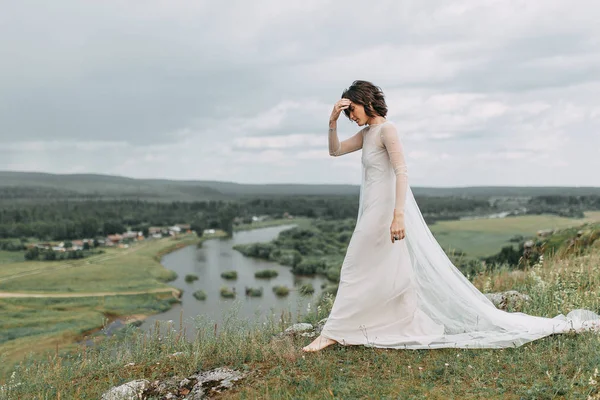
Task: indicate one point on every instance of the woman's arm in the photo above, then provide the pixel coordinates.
(337, 148)
(395, 150)
(349, 145)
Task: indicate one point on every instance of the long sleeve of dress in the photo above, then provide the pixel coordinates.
(391, 141)
(337, 148)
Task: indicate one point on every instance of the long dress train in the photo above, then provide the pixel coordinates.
(408, 294)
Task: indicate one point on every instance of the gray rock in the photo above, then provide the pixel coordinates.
(510, 298)
(299, 328)
(195, 387)
(215, 380)
(129, 391)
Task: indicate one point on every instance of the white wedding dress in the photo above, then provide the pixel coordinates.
(408, 294)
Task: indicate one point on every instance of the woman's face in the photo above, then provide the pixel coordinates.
(357, 114)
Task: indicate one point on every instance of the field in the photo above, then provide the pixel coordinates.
(556, 367)
(484, 237)
(80, 295)
(9, 257)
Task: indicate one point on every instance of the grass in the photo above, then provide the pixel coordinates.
(41, 324)
(9, 257)
(555, 367)
(38, 325)
(484, 237)
(136, 268)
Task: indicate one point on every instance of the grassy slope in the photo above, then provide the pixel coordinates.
(135, 268)
(484, 237)
(41, 324)
(559, 366)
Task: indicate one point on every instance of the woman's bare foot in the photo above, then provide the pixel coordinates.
(318, 344)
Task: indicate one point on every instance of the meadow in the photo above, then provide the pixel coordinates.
(484, 237)
(93, 291)
(556, 367)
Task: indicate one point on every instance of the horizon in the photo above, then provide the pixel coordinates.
(286, 183)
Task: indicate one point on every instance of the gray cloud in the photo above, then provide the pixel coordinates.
(180, 89)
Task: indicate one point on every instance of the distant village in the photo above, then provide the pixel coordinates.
(119, 240)
(125, 239)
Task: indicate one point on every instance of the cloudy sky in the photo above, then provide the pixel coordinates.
(484, 92)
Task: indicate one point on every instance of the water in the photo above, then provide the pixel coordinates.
(217, 256)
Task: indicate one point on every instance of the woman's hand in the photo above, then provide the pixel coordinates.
(397, 229)
(342, 104)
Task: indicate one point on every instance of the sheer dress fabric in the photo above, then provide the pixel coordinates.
(408, 294)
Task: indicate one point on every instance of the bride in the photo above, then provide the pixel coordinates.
(397, 288)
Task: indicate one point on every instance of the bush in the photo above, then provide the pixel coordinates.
(199, 295)
(254, 292)
(307, 289)
(229, 275)
(281, 290)
(266, 273)
(189, 278)
(228, 293)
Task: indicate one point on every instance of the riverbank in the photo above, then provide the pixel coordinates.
(301, 222)
(50, 306)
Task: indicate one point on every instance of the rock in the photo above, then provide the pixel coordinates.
(129, 391)
(298, 328)
(510, 298)
(214, 380)
(197, 386)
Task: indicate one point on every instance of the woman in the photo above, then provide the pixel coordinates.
(398, 289)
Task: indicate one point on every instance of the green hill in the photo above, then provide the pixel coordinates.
(16, 185)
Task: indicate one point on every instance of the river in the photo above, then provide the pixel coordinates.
(216, 256)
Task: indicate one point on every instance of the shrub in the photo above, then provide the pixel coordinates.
(229, 275)
(228, 293)
(307, 289)
(254, 292)
(266, 273)
(281, 290)
(191, 278)
(199, 295)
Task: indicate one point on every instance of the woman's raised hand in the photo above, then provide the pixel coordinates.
(340, 105)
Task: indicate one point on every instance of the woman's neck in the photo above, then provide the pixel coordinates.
(376, 120)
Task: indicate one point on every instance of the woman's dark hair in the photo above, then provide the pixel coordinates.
(367, 95)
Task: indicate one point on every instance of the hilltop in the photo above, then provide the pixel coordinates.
(271, 365)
